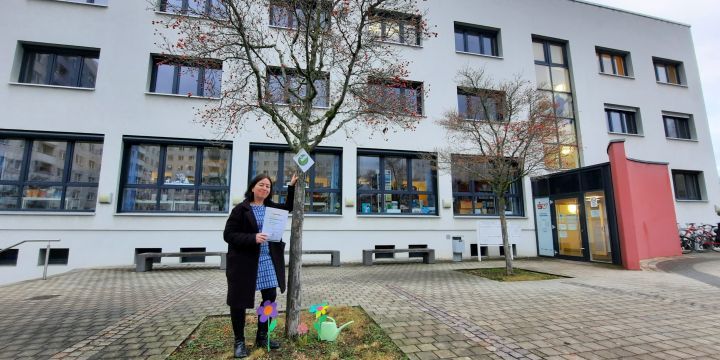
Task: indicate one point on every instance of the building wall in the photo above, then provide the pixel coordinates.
(121, 105)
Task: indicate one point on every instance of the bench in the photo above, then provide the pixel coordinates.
(144, 261)
(513, 248)
(490, 235)
(428, 255)
(334, 255)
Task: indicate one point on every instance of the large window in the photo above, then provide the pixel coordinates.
(395, 183)
(687, 185)
(49, 172)
(678, 126)
(668, 71)
(52, 65)
(476, 40)
(622, 121)
(289, 14)
(96, 2)
(167, 175)
(396, 27)
(473, 195)
(323, 193)
(172, 75)
(553, 78)
(290, 87)
(397, 96)
(189, 7)
(478, 104)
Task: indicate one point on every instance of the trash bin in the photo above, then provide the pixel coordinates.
(458, 246)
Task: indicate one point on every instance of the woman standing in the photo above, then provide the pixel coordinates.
(253, 263)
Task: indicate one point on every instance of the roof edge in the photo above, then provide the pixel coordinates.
(630, 12)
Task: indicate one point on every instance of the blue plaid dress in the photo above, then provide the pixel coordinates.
(266, 278)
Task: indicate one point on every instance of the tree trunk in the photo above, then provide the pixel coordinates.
(505, 237)
(294, 301)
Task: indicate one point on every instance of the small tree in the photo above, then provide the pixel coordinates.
(302, 69)
(503, 132)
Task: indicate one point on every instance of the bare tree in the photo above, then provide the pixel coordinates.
(303, 70)
(503, 131)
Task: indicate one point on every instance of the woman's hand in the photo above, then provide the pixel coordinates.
(261, 238)
(294, 179)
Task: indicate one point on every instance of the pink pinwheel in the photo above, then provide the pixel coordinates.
(302, 329)
(267, 310)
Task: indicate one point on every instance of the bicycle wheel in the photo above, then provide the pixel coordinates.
(701, 243)
(687, 245)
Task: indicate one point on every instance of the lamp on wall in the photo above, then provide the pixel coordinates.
(572, 208)
(105, 198)
(349, 201)
(717, 210)
(237, 199)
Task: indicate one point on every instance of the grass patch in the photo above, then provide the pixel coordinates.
(498, 274)
(213, 339)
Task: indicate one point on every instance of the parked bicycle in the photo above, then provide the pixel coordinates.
(699, 238)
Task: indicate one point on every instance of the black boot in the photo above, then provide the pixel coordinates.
(261, 340)
(240, 349)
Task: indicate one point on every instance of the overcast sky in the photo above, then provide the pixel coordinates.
(703, 16)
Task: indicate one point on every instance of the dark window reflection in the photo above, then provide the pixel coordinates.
(59, 66)
(186, 77)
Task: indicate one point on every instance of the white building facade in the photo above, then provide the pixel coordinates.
(99, 146)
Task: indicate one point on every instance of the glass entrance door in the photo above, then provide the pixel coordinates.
(597, 226)
(568, 227)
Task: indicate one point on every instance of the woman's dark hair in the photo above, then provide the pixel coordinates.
(249, 194)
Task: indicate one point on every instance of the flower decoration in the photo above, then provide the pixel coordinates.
(302, 329)
(319, 309)
(267, 310)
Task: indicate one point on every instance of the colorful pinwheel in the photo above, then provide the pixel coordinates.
(319, 309)
(267, 310)
(302, 329)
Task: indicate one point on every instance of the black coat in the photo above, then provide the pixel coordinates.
(244, 253)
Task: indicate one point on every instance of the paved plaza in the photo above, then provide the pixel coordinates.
(430, 311)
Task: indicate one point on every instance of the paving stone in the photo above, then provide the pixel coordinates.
(598, 313)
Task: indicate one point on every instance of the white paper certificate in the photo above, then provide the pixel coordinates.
(274, 223)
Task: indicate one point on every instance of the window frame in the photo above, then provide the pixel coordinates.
(625, 116)
(163, 7)
(159, 185)
(517, 192)
(101, 3)
(664, 63)
(30, 51)
(482, 32)
(614, 55)
(416, 85)
(292, 18)
(177, 64)
(695, 180)
(401, 20)
(677, 119)
(563, 157)
(291, 74)
(467, 93)
(71, 139)
(382, 192)
(279, 185)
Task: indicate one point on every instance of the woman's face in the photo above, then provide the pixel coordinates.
(261, 190)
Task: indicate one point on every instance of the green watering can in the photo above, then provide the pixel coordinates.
(329, 330)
